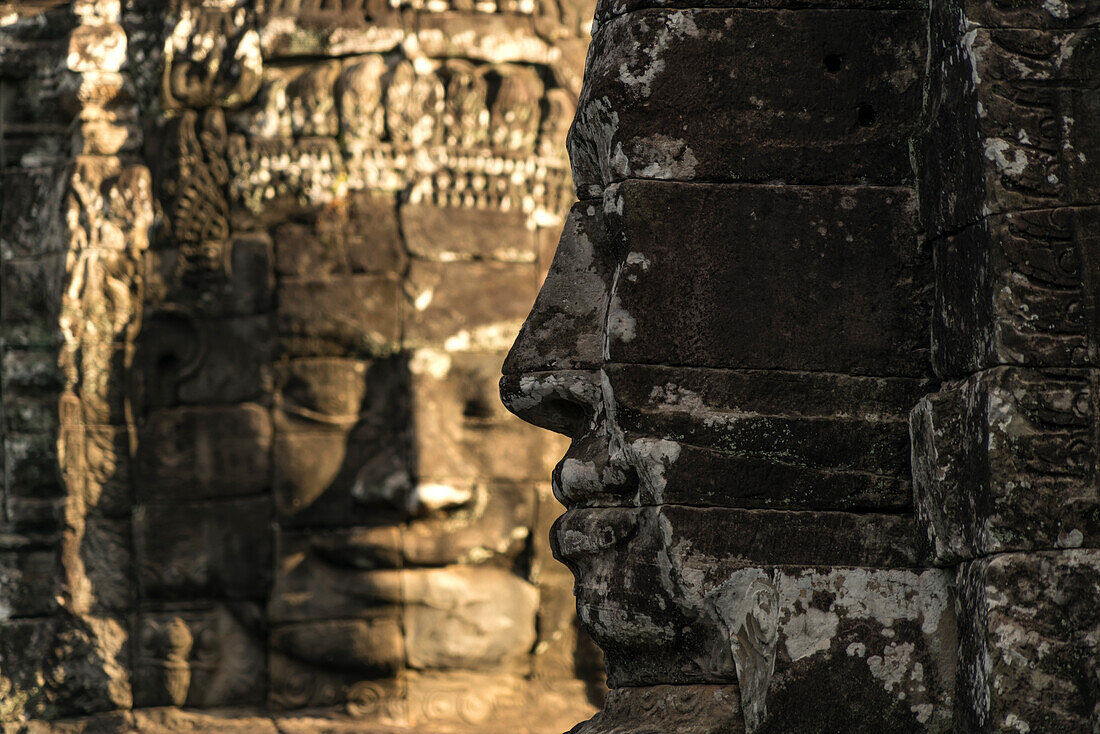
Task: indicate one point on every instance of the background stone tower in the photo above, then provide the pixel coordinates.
(261, 262)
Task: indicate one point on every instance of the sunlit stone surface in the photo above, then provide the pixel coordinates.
(261, 265)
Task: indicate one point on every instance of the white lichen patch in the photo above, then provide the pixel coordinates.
(650, 457)
(620, 324)
(810, 633)
(1008, 158)
(661, 156)
(639, 70)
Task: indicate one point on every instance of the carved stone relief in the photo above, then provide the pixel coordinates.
(257, 322)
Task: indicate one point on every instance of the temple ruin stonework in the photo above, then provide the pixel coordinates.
(822, 329)
(261, 264)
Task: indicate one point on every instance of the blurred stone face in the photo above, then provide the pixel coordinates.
(354, 231)
(732, 333)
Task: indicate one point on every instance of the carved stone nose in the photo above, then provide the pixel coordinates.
(565, 328)
(565, 401)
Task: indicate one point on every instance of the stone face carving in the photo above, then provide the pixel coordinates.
(771, 497)
(261, 263)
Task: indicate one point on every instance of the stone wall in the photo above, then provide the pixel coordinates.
(261, 262)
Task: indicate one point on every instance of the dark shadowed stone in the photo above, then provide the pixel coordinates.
(1012, 113)
(204, 453)
(693, 709)
(243, 285)
(989, 13)
(664, 590)
(1028, 657)
(31, 577)
(1006, 460)
(359, 234)
(371, 645)
(215, 550)
(182, 360)
(769, 277)
(200, 655)
(688, 95)
(1018, 289)
(65, 665)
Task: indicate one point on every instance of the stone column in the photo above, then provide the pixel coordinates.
(77, 207)
(1005, 453)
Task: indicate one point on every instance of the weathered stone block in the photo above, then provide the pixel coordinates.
(170, 720)
(31, 289)
(297, 684)
(353, 474)
(742, 115)
(565, 328)
(466, 305)
(359, 234)
(455, 617)
(31, 466)
(347, 316)
(988, 14)
(372, 645)
(200, 656)
(1013, 114)
(30, 579)
(781, 440)
(446, 234)
(219, 550)
(607, 10)
(695, 709)
(468, 618)
(1006, 460)
(782, 289)
(1028, 657)
(32, 199)
(329, 574)
(204, 453)
(1017, 289)
(461, 430)
(98, 566)
(108, 472)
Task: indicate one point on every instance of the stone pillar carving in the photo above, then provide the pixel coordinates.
(1005, 453)
(279, 250)
(77, 206)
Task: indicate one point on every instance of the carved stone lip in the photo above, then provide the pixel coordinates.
(580, 533)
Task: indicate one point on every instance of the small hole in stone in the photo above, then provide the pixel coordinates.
(865, 115)
(834, 62)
